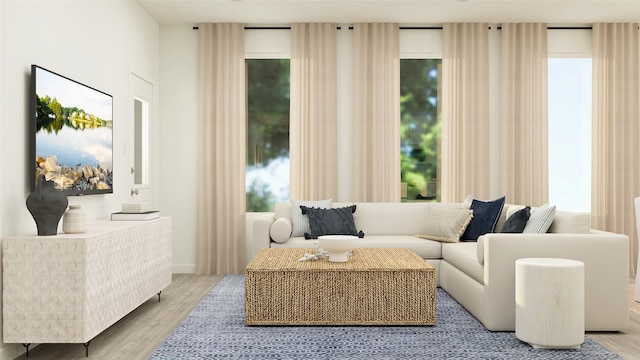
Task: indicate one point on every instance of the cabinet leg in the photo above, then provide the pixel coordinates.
(27, 347)
(86, 348)
(159, 292)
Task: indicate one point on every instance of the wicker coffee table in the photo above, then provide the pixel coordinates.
(375, 287)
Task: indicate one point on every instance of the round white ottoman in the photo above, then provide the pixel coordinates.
(550, 302)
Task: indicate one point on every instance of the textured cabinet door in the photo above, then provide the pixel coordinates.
(68, 288)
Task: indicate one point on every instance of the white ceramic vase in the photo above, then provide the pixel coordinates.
(74, 220)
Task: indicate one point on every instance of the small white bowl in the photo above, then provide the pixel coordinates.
(338, 246)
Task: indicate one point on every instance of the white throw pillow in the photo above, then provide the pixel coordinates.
(540, 220)
(280, 230)
(301, 222)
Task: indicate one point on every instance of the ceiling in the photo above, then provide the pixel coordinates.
(271, 12)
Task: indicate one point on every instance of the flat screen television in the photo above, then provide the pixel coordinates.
(72, 134)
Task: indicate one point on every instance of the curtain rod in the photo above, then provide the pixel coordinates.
(499, 27)
(267, 27)
(338, 27)
(410, 27)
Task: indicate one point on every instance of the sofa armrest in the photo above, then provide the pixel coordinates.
(606, 259)
(261, 226)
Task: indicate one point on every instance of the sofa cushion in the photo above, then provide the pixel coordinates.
(446, 224)
(301, 222)
(280, 230)
(390, 218)
(571, 222)
(283, 209)
(427, 249)
(517, 221)
(330, 222)
(464, 257)
(485, 218)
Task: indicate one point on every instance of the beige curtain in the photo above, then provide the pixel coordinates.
(465, 112)
(616, 131)
(221, 149)
(313, 119)
(524, 171)
(376, 113)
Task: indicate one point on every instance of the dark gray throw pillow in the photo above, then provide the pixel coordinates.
(331, 221)
(517, 221)
(485, 218)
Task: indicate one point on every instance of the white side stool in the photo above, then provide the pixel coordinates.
(550, 302)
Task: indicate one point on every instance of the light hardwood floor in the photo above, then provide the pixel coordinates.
(136, 336)
(623, 343)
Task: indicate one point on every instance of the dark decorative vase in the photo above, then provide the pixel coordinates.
(46, 204)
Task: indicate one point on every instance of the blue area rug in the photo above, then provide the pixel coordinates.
(215, 330)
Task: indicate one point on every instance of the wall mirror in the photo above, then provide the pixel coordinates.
(140, 169)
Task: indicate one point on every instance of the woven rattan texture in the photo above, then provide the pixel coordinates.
(375, 287)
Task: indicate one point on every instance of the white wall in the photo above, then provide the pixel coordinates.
(97, 43)
(178, 131)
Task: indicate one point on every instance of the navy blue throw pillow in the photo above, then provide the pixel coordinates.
(517, 221)
(485, 218)
(331, 221)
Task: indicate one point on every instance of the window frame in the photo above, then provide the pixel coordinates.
(421, 44)
(266, 44)
(569, 44)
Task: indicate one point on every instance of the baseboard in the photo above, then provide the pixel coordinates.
(184, 269)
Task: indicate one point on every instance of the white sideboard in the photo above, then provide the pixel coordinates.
(68, 288)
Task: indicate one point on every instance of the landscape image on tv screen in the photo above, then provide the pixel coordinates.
(73, 134)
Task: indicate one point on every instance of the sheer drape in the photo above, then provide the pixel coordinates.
(221, 149)
(376, 113)
(524, 171)
(313, 121)
(465, 112)
(616, 131)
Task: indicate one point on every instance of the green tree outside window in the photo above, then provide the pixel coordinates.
(420, 126)
(267, 174)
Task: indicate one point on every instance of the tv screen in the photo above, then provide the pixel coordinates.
(72, 129)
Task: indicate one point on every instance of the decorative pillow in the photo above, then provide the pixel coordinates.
(280, 230)
(301, 222)
(515, 208)
(517, 221)
(446, 225)
(331, 222)
(485, 218)
(540, 220)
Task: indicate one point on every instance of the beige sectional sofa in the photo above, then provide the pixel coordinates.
(481, 275)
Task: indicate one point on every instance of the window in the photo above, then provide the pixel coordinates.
(420, 128)
(267, 176)
(570, 133)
